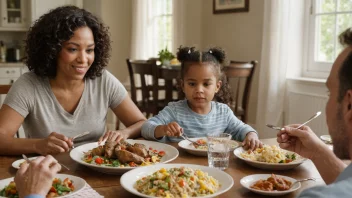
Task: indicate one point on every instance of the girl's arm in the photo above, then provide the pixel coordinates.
(131, 117)
(154, 128)
(236, 127)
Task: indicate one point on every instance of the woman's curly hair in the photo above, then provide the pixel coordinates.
(45, 37)
(216, 57)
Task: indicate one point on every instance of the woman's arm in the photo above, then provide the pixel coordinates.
(129, 114)
(10, 122)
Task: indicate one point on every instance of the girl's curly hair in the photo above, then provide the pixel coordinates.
(216, 57)
(45, 37)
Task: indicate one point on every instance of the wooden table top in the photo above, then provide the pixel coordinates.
(109, 185)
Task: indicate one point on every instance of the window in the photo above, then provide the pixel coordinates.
(161, 25)
(327, 19)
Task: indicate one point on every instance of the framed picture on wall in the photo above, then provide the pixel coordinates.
(228, 6)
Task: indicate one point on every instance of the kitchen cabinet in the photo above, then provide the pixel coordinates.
(40, 7)
(14, 14)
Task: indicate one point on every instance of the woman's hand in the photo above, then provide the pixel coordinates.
(55, 143)
(113, 136)
(302, 141)
(172, 129)
(251, 141)
(37, 177)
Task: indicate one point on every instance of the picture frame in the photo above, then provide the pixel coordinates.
(229, 6)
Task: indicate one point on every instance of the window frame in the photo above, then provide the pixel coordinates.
(312, 68)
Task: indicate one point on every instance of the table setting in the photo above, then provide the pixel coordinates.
(212, 166)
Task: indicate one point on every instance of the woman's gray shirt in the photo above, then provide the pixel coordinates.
(32, 97)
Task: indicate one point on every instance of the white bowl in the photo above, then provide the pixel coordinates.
(249, 180)
(16, 164)
(128, 179)
(269, 166)
(188, 146)
(326, 138)
(78, 183)
(77, 154)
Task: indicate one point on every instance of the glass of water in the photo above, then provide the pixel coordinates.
(218, 150)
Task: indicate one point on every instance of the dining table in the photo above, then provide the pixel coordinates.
(109, 185)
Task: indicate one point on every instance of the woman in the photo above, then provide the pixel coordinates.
(67, 90)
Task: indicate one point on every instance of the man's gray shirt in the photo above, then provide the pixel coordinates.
(341, 188)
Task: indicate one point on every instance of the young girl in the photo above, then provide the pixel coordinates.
(198, 114)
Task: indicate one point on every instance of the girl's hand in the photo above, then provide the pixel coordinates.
(113, 136)
(251, 141)
(172, 129)
(55, 143)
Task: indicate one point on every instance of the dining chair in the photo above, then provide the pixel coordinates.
(4, 89)
(145, 89)
(237, 72)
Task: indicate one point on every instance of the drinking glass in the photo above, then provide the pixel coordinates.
(218, 150)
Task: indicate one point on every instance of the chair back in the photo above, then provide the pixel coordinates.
(171, 76)
(147, 72)
(4, 89)
(237, 72)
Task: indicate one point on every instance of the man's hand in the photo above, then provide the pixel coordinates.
(37, 177)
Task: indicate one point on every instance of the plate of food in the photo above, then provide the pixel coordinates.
(17, 164)
(202, 150)
(270, 184)
(63, 186)
(117, 158)
(270, 158)
(176, 180)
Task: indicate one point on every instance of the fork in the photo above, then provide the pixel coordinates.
(186, 138)
(310, 119)
(302, 180)
(80, 135)
(29, 161)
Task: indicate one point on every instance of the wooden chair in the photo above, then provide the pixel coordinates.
(4, 89)
(237, 71)
(172, 78)
(148, 89)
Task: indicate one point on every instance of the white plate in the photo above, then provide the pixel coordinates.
(249, 180)
(78, 182)
(16, 164)
(188, 146)
(76, 154)
(128, 179)
(326, 138)
(269, 166)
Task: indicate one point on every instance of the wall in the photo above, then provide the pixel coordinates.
(240, 34)
(118, 17)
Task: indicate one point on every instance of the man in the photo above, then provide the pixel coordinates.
(339, 120)
(34, 180)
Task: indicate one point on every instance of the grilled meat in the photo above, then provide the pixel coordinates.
(126, 156)
(98, 151)
(138, 149)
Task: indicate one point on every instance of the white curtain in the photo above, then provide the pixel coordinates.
(273, 64)
(141, 36)
(146, 30)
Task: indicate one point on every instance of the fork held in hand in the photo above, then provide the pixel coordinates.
(29, 161)
(186, 138)
(310, 119)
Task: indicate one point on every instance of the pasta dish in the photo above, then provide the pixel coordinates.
(58, 188)
(177, 182)
(269, 154)
(273, 183)
(122, 154)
